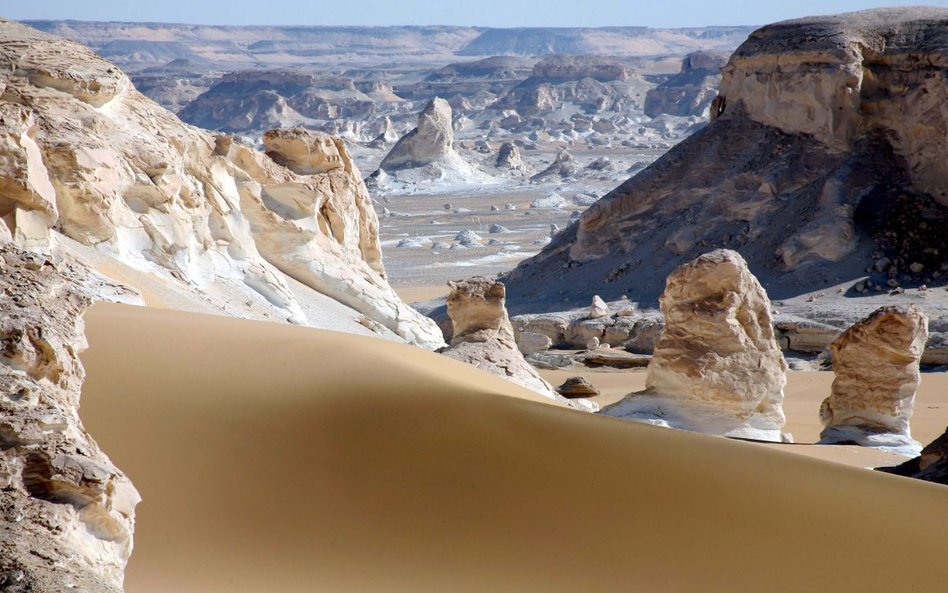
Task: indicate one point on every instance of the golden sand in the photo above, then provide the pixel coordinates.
(278, 458)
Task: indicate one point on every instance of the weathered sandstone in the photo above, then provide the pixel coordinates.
(717, 367)
(483, 336)
(873, 395)
(67, 512)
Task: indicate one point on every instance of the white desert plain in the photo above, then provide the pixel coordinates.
(459, 309)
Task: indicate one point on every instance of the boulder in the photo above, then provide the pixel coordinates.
(508, 157)
(873, 396)
(717, 367)
(577, 387)
(562, 166)
(531, 343)
(550, 201)
(598, 308)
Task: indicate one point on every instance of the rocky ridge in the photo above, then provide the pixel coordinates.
(94, 168)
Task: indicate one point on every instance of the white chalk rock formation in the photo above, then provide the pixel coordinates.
(431, 141)
(873, 396)
(484, 337)
(717, 367)
(90, 166)
(598, 308)
(67, 512)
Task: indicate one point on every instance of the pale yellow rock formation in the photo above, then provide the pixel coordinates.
(717, 367)
(68, 512)
(876, 365)
(484, 337)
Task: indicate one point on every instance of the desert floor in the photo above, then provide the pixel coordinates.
(277, 458)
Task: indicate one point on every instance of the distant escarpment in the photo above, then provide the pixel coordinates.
(826, 163)
(91, 167)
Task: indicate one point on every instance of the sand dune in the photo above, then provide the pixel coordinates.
(279, 458)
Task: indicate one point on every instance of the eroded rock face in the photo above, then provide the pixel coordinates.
(483, 336)
(876, 365)
(85, 156)
(68, 512)
(717, 367)
(829, 135)
(431, 141)
(305, 152)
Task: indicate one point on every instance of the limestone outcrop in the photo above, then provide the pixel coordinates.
(931, 465)
(826, 152)
(691, 91)
(431, 141)
(67, 512)
(483, 337)
(716, 367)
(91, 167)
(873, 395)
(508, 157)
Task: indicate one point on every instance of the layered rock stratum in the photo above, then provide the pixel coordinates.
(483, 337)
(716, 367)
(194, 221)
(67, 512)
(827, 151)
(876, 362)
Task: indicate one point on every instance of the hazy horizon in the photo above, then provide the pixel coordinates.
(485, 13)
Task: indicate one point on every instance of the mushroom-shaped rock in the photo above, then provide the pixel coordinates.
(876, 365)
(716, 367)
(598, 308)
(575, 387)
(484, 337)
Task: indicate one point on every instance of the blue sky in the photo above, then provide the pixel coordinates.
(493, 13)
